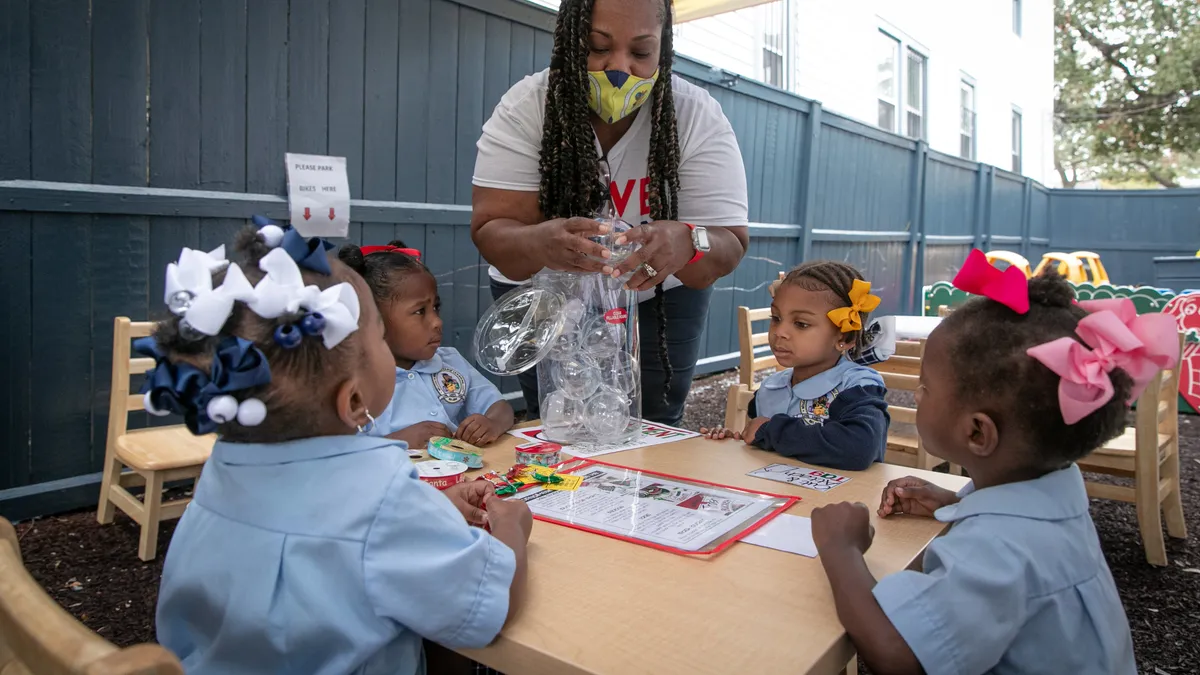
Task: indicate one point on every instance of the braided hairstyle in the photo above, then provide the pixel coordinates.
(382, 270)
(300, 377)
(837, 278)
(987, 345)
(571, 184)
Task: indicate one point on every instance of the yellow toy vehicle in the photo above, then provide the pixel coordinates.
(1013, 259)
(1070, 267)
(1093, 266)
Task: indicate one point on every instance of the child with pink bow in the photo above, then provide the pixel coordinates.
(1016, 386)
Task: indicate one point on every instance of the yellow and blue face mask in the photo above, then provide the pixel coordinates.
(615, 94)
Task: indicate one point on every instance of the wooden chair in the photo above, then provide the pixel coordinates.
(1147, 452)
(902, 372)
(148, 457)
(37, 637)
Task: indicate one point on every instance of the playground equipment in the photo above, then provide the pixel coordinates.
(1069, 266)
(1013, 259)
(1093, 266)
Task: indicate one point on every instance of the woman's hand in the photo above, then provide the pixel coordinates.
(666, 247)
(562, 244)
(468, 498)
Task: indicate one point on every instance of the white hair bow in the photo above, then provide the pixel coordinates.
(191, 276)
(282, 291)
(210, 310)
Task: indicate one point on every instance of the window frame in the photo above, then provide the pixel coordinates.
(1018, 12)
(910, 53)
(971, 135)
(1017, 131)
(897, 84)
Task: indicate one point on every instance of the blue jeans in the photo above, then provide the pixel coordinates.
(687, 313)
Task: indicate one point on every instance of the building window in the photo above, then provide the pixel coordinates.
(889, 81)
(1016, 16)
(966, 133)
(772, 55)
(914, 107)
(1016, 141)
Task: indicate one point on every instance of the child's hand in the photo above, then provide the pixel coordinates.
(843, 525)
(752, 428)
(468, 497)
(418, 435)
(914, 496)
(508, 518)
(478, 430)
(719, 433)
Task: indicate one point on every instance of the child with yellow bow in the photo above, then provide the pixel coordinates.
(824, 407)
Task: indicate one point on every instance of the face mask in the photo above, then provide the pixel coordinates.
(615, 94)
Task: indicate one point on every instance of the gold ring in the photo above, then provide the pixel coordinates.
(650, 271)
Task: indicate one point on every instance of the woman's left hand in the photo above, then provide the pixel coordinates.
(666, 248)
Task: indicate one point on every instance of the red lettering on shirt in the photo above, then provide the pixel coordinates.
(621, 200)
(645, 185)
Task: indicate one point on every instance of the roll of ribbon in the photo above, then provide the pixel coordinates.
(453, 450)
(539, 454)
(441, 474)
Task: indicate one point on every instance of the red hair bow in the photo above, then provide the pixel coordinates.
(368, 250)
(978, 277)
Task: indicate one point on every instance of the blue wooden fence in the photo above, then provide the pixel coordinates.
(130, 129)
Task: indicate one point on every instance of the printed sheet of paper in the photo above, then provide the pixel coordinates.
(318, 195)
(785, 532)
(652, 434)
(629, 503)
(813, 479)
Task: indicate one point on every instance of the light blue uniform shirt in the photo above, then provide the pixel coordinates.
(325, 556)
(1018, 585)
(443, 389)
(811, 399)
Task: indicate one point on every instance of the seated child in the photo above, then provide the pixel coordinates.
(308, 548)
(1012, 391)
(437, 392)
(822, 408)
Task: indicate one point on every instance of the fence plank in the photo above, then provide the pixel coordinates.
(267, 95)
(60, 396)
(443, 88)
(15, 245)
(222, 109)
(308, 77)
(413, 115)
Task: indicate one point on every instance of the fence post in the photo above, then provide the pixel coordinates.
(983, 205)
(1027, 217)
(914, 255)
(808, 181)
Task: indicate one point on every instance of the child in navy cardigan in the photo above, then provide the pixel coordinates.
(823, 408)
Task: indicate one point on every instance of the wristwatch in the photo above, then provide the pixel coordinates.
(699, 242)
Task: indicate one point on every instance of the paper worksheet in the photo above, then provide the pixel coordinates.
(785, 532)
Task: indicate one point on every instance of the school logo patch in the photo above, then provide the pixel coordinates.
(816, 411)
(450, 385)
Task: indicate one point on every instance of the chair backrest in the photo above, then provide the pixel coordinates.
(748, 363)
(1158, 406)
(124, 367)
(38, 637)
(737, 404)
(903, 373)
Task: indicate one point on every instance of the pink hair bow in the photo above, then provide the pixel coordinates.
(978, 277)
(1118, 338)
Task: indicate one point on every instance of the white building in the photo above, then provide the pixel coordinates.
(975, 79)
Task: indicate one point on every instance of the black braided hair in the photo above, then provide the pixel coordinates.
(987, 345)
(298, 376)
(383, 270)
(838, 279)
(571, 184)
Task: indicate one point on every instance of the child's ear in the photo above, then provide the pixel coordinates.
(351, 406)
(982, 434)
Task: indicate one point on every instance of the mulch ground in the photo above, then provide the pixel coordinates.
(93, 570)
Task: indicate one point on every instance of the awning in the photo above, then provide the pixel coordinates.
(690, 10)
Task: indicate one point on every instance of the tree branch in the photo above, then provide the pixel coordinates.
(1156, 175)
(1109, 52)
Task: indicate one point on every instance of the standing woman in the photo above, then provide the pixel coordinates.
(608, 119)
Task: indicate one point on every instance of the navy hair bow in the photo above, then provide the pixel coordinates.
(186, 390)
(308, 253)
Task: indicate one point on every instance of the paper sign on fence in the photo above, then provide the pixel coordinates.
(318, 195)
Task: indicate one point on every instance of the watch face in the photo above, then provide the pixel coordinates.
(701, 239)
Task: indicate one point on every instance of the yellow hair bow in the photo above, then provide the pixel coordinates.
(861, 302)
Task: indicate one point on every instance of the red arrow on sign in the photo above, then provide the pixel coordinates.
(307, 213)
(331, 213)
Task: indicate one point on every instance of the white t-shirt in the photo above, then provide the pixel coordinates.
(712, 179)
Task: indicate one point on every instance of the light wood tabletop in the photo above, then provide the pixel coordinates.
(602, 606)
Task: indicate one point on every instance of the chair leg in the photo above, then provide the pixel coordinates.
(148, 546)
(852, 667)
(1173, 504)
(112, 476)
(1149, 518)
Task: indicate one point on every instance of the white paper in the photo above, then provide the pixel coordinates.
(652, 434)
(651, 508)
(318, 195)
(792, 534)
(813, 479)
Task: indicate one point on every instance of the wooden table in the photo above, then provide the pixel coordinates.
(606, 607)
